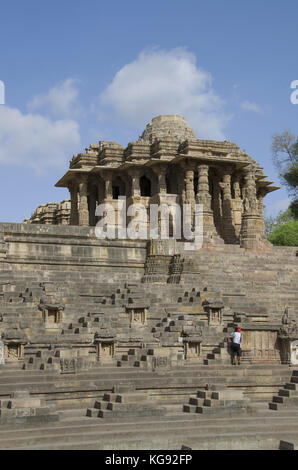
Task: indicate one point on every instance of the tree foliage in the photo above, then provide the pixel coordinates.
(271, 223)
(285, 235)
(285, 159)
(285, 153)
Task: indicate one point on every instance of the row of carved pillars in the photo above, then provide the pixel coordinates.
(219, 214)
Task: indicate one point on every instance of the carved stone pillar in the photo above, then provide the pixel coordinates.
(250, 192)
(189, 187)
(135, 182)
(140, 216)
(252, 233)
(160, 171)
(92, 205)
(204, 197)
(83, 204)
(160, 197)
(189, 195)
(237, 204)
(217, 205)
(74, 215)
(108, 186)
(227, 209)
(100, 190)
(261, 193)
(236, 186)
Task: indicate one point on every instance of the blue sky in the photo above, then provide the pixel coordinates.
(78, 72)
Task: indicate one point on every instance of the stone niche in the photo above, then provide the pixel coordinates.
(214, 310)
(105, 346)
(14, 343)
(192, 348)
(14, 350)
(137, 314)
(52, 314)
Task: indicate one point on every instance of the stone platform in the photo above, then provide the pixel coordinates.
(102, 353)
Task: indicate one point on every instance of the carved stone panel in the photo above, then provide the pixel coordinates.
(68, 366)
(261, 346)
(192, 349)
(52, 314)
(2, 353)
(107, 349)
(21, 412)
(160, 362)
(14, 351)
(137, 316)
(214, 317)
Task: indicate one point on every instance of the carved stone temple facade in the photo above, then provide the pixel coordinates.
(168, 165)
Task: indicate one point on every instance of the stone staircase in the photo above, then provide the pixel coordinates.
(22, 407)
(136, 406)
(130, 404)
(150, 360)
(154, 432)
(219, 355)
(217, 400)
(287, 396)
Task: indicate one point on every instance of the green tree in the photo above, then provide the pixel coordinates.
(282, 217)
(285, 159)
(285, 235)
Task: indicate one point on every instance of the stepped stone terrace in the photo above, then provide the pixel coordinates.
(125, 344)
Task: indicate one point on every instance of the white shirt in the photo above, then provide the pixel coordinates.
(237, 337)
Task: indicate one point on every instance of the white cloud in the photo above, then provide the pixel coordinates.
(250, 106)
(60, 101)
(31, 140)
(164, 82)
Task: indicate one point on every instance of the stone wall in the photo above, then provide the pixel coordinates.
(44, 247)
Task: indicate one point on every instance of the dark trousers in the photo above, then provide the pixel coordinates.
(235, 350)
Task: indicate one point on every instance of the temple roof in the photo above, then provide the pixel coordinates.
(166, 139)
(168, 125)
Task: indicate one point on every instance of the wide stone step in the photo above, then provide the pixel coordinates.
(213, 432)
(114, 415)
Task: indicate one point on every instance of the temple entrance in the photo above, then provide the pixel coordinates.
(145, 186)
(118, 188)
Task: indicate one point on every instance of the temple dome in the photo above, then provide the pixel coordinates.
(168, 125)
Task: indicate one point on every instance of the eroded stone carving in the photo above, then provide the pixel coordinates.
(68, 366)
(2, 353)
(214, 308)
(159, 362)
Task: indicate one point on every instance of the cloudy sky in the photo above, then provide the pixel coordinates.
(78, 72)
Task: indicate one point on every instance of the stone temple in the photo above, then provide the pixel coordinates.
(168, 165)
(125, 343)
